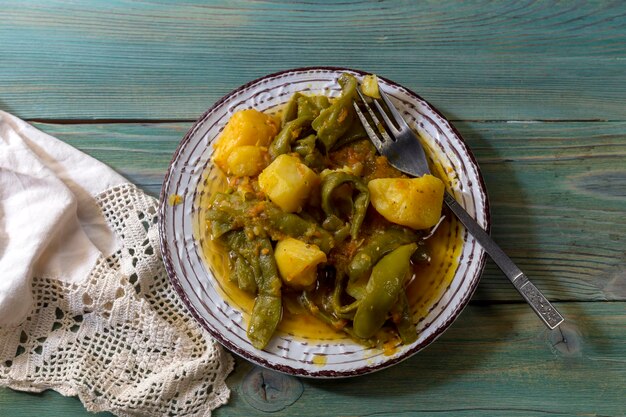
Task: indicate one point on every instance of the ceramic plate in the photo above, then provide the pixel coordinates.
(195, 279)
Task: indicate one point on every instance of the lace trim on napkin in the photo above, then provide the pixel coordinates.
(121, 340)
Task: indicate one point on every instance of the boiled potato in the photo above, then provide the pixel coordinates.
(288, 182)
(412, 202)
(297, 262)
(247, 160)
(245, 127)
(369, 86)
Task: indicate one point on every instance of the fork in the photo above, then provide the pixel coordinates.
(397, 141)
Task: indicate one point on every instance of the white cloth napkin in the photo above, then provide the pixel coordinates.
(86, 307)
(49, 222)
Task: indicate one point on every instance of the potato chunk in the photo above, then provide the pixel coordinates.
(412, 202)
(247, 160)
(369, 86)
(245, 127)
(288, 182)
(297, 262)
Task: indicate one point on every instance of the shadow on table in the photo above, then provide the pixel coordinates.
(510, 202)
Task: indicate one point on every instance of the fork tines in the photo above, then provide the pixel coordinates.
(375, 129)
(371, 132)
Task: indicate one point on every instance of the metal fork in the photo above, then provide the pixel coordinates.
(396, 140)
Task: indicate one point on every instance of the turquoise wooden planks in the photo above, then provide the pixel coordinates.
(46, 404)
(556, 192)
(495, 360)
(140, 152)
(154, 60)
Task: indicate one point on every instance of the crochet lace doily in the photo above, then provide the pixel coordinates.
(121, 340)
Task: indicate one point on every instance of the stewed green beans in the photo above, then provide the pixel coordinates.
(267, 309)
(357, 206)
(302, 225)
(378, 246)
(231, 211)
(246, 265)
(289, 133)
(335, 120)
(382, 291)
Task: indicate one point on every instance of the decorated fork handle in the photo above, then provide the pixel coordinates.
(538, 302)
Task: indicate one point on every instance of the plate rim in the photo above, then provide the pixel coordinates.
(173, 278)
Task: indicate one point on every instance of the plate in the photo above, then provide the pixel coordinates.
(196, 280)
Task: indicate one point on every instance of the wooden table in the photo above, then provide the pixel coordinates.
(537, 89)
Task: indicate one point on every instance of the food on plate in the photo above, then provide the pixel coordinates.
(314, 220)
(288, 182)
(298, 261)
(369, 86)
(245, 128)
(412, 202)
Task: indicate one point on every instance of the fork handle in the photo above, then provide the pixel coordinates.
(539, 303)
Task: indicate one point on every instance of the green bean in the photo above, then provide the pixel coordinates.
(305, 146)
(290, 111)
(401, 312)
(242, 272)
(356, 288)
(385, 283)
(320, 101)
(246, 267)
(300, 105)
(359, 207)
(332, 223)
(339, 310)
(311, 156)
(287, 135)
(266, 314)
(339, 228)
(277, 222)
(335, 120)
(320, 313)
(293, 225)
(237, 241)
(220, 211)
(307, 108)
(267, 310)
(271, 283)
(220, 223)
(270, 219)
(326, 317)
(259, 257)
(342, 234)
(378, 246)
(223, 204)
(311, 106)
(354, 133)
(219, 228)
(256, 270)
